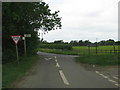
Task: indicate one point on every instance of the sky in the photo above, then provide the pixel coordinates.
(85, 20)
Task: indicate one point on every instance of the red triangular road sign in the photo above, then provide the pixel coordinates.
(16, 38)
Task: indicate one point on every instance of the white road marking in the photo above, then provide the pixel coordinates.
(57, 65)
(103, 76)
(97, 72)
(63, 77)
(117, 85)
(110, 80)
(55, 57)
(46, 59)
(56, 60)
(49, 58)
(115, 77)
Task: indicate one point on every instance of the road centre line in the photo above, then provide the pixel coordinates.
(57, 65)
(55, 57)
(63, 77)
(61, 73)
(56, 60)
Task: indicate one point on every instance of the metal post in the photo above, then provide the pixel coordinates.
(17, 54)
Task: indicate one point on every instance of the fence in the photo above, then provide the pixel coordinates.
(98, 51)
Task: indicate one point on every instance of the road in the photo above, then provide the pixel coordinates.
(61, 71)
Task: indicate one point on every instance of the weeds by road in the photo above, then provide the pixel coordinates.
(13, 71)
(102, 60)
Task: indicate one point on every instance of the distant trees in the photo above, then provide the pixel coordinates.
(88, 43)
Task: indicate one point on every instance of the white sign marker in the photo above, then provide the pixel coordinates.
(27, 35)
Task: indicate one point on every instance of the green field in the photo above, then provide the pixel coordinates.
(100, 49)
(78, 50)
(93, 48)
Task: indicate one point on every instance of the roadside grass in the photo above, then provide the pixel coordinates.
(101, 60)
(12, 72)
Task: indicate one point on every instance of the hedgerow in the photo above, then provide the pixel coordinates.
(56, 46)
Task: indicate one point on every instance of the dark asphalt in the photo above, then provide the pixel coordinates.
(45, 74)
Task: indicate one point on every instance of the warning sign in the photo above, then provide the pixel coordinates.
(16, 38)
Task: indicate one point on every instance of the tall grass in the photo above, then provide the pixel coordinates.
(13, 71)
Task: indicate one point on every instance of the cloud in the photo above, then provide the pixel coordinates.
(85, 19)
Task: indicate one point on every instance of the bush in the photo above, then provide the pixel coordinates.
(56, 46)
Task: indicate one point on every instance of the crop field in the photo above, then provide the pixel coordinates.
(93, 48)
(100, 49)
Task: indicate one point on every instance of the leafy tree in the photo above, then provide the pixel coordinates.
(20, 18)
(59, 42)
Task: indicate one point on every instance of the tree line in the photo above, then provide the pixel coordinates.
(85, 43)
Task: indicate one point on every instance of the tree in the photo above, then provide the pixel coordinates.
(59, 42)
(20, 18)
(74, 42)
(110, 42)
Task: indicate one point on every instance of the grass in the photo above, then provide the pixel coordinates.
(93, 48)
(13, 71)
(101, 60)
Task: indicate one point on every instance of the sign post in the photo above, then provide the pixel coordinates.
(16, 38)
(24, 38)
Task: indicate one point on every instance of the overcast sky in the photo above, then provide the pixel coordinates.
(85, 20)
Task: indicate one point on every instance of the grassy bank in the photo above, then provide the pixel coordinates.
(102, 60)
(13, 71)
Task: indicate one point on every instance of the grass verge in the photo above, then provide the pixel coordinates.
(101, 60)
(12, 72)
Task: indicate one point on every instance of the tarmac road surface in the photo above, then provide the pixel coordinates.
(61, 71)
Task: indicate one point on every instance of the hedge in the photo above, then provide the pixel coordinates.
(56, 46)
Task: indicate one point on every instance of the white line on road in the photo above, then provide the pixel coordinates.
(97, 72)
(115, 77)
(57, 65)
(103, 76)
(117, 85)
(63, 77)
(56, 60)
(110, 80)
(55, 57)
